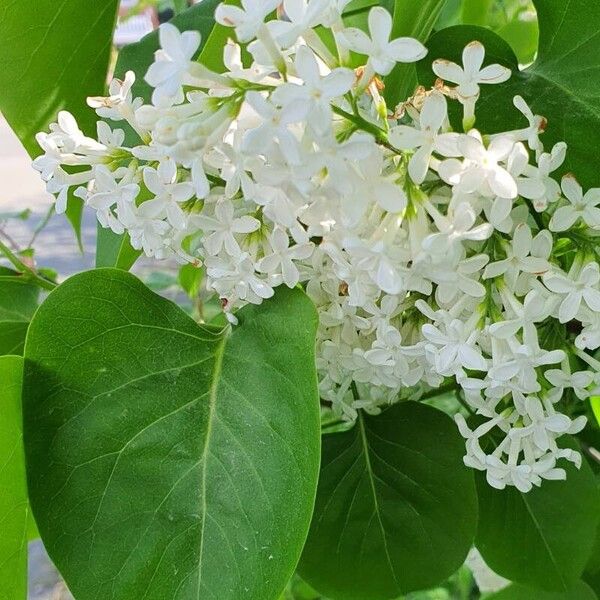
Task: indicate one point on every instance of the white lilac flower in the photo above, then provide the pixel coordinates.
(480, 171)
(220, 229)
(458, 227)
(428, 253)
(455, 347)
(119, 104)
(518, 258)
(108, 192)
(530, 134)
(146, 226)
(247, 19)
(167, 73)
(302, 17)
(426, 138)
(383, 54)
(470, 75)
(548, 163)
(281, 261)
(579, 381)
(522, 316)
(162, 182)
(580, 206)
(316, 92)
(574, 291)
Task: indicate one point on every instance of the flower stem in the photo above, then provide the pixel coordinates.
(537, 217)
(379, 134)
(463, 403)
(21, 266)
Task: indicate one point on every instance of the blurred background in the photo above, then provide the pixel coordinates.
(27, 220)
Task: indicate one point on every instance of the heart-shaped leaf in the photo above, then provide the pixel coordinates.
(396, 507)
(55, 53)
(168, 459)
(542, 538)
(580, 591)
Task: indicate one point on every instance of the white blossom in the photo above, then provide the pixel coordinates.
(574, 291)
(383, 54)
(432, 256)
(579, 206)
(168, 72)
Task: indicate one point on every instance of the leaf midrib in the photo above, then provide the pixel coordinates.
(370, 474)
(545, 541)
(216, 376)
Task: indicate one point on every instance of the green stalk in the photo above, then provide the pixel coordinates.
(23, 268)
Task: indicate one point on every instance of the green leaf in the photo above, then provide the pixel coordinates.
(360, 5)
(523, 36)
(413, 19)
(475, 12)
(139, 56)
(14, 506)
(355, 14)
(542, 538)
(55, 53)
(74, 214)
(595, 402)
(396, 508)
(580, 591)
(167, 459)
(591, 574)
(18, 302)
(449, 15)
(180, 5)
(561, 85)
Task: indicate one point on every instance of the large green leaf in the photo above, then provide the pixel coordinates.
(55, 53)
(413, 19)
(14, 506)
(396, 508)
(563, 84)
(542, 538)
(18, 301)
(591, 574)
(166, 459)
(580, 591)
